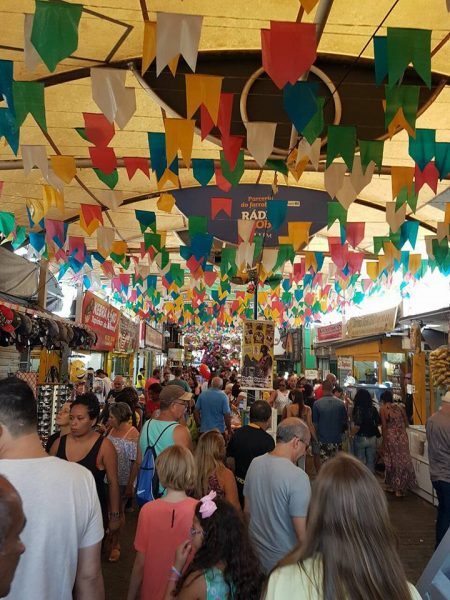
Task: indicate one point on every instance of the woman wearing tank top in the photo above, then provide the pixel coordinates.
(89, 449)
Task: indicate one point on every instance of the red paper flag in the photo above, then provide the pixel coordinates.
(143, 250)
(134, 163)
(333, 240)
(288, 50)
(77, 249)
(108, 269)
(193, 264)
(221, 182)
(103, 158)
(210, 277)
(354, 261)
(225, 111)
(206, 123)
(218, 204)
(299, 270)
(91, 212)
(429, 176)
(339, 255)
(98, 129)
(231, 147)
(355, 233)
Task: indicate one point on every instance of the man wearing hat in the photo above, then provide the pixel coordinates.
(438, 437)
(165, 430)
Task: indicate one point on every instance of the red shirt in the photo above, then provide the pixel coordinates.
(150, 406)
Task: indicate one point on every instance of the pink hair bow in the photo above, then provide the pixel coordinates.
(208, 506)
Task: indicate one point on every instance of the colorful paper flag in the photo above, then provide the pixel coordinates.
(221, 204)
(179, 136)
(341, 142)
(203, 170)
(29, 99)
(203, 90)
(148, 45)
(406, 46)
(177, 34)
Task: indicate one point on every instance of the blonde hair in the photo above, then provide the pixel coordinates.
(348, 528)
(176, 468)
(209, 456)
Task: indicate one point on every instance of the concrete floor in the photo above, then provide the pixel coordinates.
(412, 517)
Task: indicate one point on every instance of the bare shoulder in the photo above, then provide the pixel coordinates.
(194, 588)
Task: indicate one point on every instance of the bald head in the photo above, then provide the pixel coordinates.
(119, 383)
(12, 522)
(331, 377)
(291, 428)
(217, 382)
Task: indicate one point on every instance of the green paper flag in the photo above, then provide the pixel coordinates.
(152, 240)
(440, 250)
(422, 148)
(110, 180)
(405, 198)
(146, 220)
(21, 236)
(29, 99)
(378, 242)
(197, 224)
(406, 46)
(396, 238)
(82, 133)
(341, 142)
(233, 176)
(259, 243)
(277, 165)
(336, 212)
(285, 253)
(55, 30)
(7, 223)
(315, 126)
(371, 151)
(405, 97)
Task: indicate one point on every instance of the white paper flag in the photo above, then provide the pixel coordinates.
(34, 156)
(312, 151)
(395, 218)
(269, 259)
(117, 102)
(110, 198)
(177, 34)
(347, 193)
(31, 57)
(105, 239)
(246, 229)
(260, 140)
(334, 178)
(359, 179)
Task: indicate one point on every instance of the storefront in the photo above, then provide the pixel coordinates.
(121, 360)
(324, 337)
(288, 350)
(150, 355)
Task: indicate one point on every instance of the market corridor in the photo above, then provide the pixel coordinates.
(412, 517)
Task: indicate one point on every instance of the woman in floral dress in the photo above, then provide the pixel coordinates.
(400, 474)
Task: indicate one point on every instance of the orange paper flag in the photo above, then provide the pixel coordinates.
(168, 177)
(298, 233)
(372, 269)
(51, 197)
(179, 135)
(402, 177)
(63, 167)
(165, 203)
(149, 45)
(398, 123)
(203, 89)
(173, 64)
(308, 5)
(414, 263)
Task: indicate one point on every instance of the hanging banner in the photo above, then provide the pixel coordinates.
(128, 335)
(380, 322)
(345, 363)
(103, 319)
(153, 338)
(329, 332)
(257, 355)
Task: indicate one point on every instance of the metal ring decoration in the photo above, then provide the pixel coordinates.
(319, 73)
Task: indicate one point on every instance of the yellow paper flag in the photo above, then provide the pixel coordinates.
(36, 210)
(385, 262)
(298, 232)
(372, 269)
(447, 214)
(168, 177)
(119, 248)
(414, 263)
(166, 202)
(93, 225)
(149, 45)
(401, 177)
(203, 89)
(179, 135)
(173, 64)
(310, 261)
(308, 5)
(64, 167)
(51, 197)
(398, 123)
(391, 251)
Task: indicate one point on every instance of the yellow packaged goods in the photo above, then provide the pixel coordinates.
(440, 366)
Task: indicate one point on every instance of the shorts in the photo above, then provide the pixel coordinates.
(328, 451)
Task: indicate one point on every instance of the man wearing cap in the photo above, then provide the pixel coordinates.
(165, 430)
(438, 437)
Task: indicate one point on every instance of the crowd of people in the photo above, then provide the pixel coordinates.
(234, 515)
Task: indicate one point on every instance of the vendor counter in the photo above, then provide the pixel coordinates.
(418, 448)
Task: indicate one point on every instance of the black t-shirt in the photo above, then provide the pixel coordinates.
(367, 422)
(246, 444)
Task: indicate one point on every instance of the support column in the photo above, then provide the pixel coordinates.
(42, 289)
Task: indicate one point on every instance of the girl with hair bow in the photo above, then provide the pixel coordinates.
(224, 566)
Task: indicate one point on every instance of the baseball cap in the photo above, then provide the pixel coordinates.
(172, 393)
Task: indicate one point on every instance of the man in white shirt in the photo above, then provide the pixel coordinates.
(12, 522)
(64, 529)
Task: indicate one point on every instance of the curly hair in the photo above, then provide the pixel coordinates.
(225, 540)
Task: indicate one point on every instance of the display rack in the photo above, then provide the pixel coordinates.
(50, 398)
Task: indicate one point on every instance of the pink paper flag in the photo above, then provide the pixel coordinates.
(99, 131)
(225, 112)
(116, 284)
(108, 269)
(221, 182)
(206, 123)
(77, 248)
(355, 233)
(339, 255)
(218, 204)
(103, 158)
(288, 50)
(135, 163)
(55, 232)
(429, 176)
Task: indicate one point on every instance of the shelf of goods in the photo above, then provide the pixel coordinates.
(418, 448)
(50, 398)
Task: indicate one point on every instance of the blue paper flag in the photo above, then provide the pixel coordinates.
(98, 257)
(319, 260)
(276, 212)
(203, 169)
(201, 245)
(157, 146)
(408, 232)
(147, 219)
(422, 148)
(381, 58)
(37, 241)
(6, 83)
(300, 102)
(9, 129)
(443, 158)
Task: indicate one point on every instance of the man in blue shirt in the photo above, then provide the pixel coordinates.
(330, 420)
(212, 410)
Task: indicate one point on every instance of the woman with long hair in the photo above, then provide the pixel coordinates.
(212, 474)
(225, 565)
(366, 421)
(130, 396)
(399, 473)
(279, 398)
(349, 552)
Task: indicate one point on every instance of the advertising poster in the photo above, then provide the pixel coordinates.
(257, 355)
(102, 318)
(128, 337)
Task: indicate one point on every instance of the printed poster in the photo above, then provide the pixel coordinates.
(102, 318)
(257, 355)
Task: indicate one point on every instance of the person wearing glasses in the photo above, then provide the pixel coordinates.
(163, 525)
(277, 494)
(165, 430)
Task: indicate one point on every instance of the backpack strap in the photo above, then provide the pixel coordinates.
(160, 435)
